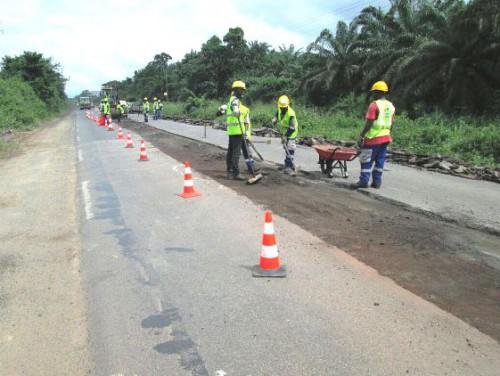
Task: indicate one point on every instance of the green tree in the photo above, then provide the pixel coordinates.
(41, 73)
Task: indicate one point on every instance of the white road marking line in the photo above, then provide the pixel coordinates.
(220, 373)
(87, 201)
(80, 156)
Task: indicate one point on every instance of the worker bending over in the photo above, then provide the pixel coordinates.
(288, 126)
(119, 111)
(375, 137)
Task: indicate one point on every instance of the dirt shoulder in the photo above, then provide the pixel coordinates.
(439, 261)
(43, 327)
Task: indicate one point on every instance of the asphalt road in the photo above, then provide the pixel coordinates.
(170, 292)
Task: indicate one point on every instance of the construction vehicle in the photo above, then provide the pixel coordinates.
(84, 103)
(112, 95)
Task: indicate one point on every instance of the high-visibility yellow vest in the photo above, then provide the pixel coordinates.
(120, 109)
(145, 106)
(106, 108)
(382, 125)
(233, 122)
(155, 105)
(244, 115)
(285, 121)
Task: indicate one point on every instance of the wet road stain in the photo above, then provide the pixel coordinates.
(161, 320)
(174, 347)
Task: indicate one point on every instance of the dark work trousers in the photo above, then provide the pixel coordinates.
(233, 154)
(248, 156)
(119, 117)
(370, 155)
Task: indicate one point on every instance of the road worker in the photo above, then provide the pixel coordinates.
(145, 109)
(155, 108)
(288, 126)
(160, 108)
(119, 111)
(375, 137)
(106, 110)
(233, 112)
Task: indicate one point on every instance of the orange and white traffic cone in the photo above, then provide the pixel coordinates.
(130, 143)
(189, 190)
(110, 125)
(144, 154)
(269, 256)
(119, 136)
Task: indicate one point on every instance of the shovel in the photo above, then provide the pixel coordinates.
(255, 177)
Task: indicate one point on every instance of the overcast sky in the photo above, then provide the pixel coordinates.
(101, 40)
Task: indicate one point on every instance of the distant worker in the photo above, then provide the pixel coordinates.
(155, 109)
(375, 137)
(234, 129)
(160, 108)
(106, 110)
(288, 126)
(119, 111)
(145, 109)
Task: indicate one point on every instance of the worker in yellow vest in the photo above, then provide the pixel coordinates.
(145, 109)
(106, 110)
(234, 111)
(155, 109)
(119, 111)
(375, 137)
(288, 126)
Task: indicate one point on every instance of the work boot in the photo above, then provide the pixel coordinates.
(358, 185)
(288, 170)
(238, 177)
(376, 185)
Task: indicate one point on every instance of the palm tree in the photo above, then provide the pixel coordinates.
(338, 69)
(455, 68)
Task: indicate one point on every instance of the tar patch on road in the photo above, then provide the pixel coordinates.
(181, 344)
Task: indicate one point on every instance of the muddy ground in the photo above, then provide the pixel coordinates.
(436, 260)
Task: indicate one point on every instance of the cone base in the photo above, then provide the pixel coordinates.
(143, 159)
(129, 147)
(189, 195)
(257, 272)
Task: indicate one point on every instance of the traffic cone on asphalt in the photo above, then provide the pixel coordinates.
(130, 143)
(102, 121)
(120, 134)
(144, 154)
(110, 125)
(269, 256)
(189, 190)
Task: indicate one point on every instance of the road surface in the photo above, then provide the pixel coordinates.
(168, 287)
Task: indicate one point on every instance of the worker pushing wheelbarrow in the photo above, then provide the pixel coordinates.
(333, 156)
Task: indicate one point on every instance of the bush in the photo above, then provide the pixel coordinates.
(20, 107)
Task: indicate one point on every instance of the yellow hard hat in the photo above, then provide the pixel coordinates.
(239, 85)
(145, 98)
(283, 101)
(380, 86)
(155, 98)
(105, 99)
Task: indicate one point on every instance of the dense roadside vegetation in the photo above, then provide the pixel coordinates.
(440, 57)
(31, 90)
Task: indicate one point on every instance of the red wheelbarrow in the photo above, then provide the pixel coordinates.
(332, 156)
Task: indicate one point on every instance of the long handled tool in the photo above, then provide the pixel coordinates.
(255, 177)
(284, 143)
